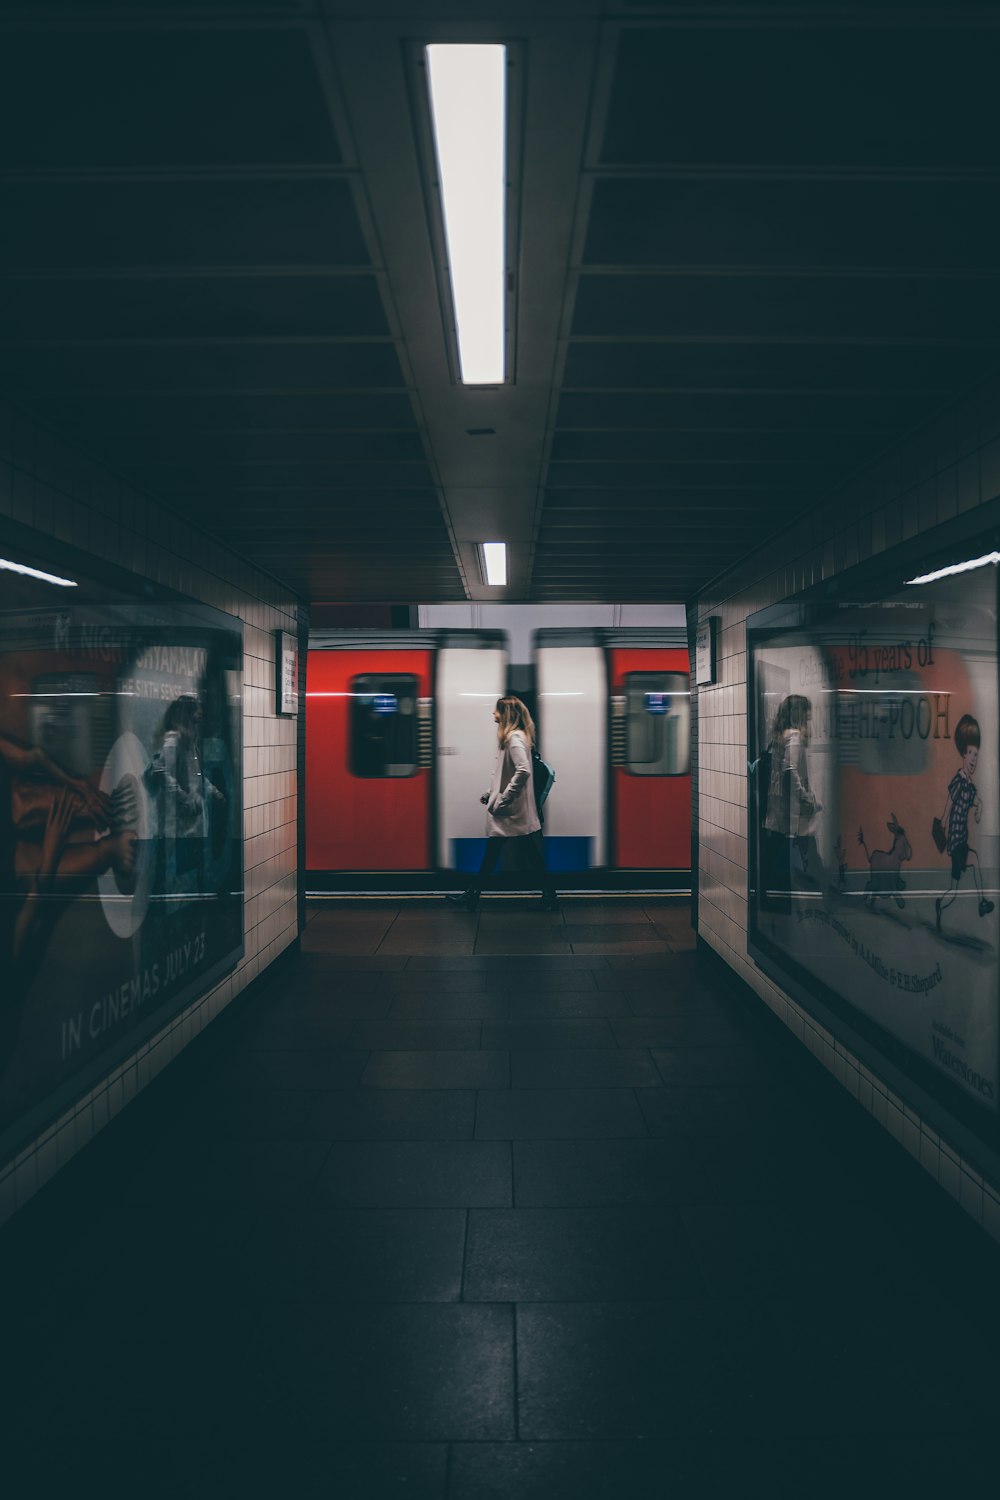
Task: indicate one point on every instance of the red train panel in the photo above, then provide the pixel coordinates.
(651, 815)
(353, 822)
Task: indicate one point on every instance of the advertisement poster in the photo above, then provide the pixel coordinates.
(875, 795)
(121, 828)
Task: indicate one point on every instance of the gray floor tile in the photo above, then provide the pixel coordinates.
(355, 1255)
(693, 1029)
(601, 1067)
(551, 1035)
(292, 1070)
(557, 1114)
(621, 1370)
(437, 1070)
(611, 933)
(434, 982)
(567, 1005)
(522, 942)
(579, 1255)
(585, 1174)
(421, 1036)
(524, 983)
(275, 1174)
(631, 945)
(459, 1007)
(566, 1471)
(301, 1032)
(712, 1065)
(415, 1174)
(437, 1373)
(390, 1114)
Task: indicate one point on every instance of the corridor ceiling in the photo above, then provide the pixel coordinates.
(752, 246)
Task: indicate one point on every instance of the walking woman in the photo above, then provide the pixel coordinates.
(511, 814)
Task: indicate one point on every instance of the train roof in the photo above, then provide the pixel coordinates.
(640, 635)
(403, 640)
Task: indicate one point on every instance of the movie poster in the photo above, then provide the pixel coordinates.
(875, 796)
(120, 836)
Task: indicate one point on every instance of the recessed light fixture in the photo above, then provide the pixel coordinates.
(13, 567)
(468, 95)
(962, 567)
(494, 559)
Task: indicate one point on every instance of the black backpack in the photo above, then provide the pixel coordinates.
(542, 776)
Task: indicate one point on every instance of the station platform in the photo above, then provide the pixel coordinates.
(507, 1204)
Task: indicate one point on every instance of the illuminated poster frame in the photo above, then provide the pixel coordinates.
(121, 807)
(873, 819)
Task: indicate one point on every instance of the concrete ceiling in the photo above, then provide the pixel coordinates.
(751, 247)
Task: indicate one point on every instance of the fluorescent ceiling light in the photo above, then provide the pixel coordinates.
(13, 567)
(962, 567)
(495, 563)
(468, 107)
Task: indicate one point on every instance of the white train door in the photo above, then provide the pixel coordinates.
(470, 675)
(572, 697)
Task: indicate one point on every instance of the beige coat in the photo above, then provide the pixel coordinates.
(510, 801)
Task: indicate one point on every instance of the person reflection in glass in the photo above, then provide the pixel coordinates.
(963, 798)
(791, 803)
(181, 790)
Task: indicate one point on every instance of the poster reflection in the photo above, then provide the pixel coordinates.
(120, 834)
(874, 794)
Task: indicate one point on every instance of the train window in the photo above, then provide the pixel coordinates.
(383, 739)
(658, 723)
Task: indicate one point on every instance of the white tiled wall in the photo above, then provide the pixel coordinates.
(951, 468)
(46, 484)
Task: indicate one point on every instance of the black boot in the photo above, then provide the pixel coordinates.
(466, 900)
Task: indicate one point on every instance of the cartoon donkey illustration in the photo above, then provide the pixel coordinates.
(883, 864)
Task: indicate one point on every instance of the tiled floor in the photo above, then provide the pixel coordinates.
(508, 1205)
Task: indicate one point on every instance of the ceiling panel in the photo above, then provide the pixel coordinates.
(859, 308)
(159, 97)
(208, 413)
(267, 221)
(715, 445)
(877, 413)
(755, 247)
(209, 368)
(912, 96)
(193, 307)
(636, 365)
(835, 222)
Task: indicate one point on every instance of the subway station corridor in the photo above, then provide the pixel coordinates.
(517, 1205)
(668, 558)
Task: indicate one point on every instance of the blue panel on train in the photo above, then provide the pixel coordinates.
(569, 853)
(560, 854)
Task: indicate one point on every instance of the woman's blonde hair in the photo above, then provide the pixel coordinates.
(514, 715)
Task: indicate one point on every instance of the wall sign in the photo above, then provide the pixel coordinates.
(286, 672)
(704, 652)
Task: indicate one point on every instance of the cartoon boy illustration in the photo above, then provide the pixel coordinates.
(962, 799)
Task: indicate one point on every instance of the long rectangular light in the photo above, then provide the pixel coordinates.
(469, 109)
(13, 567)
(495, 563)
(962, 567)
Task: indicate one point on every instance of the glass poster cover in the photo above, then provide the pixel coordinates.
(875, 812)
(121, 830)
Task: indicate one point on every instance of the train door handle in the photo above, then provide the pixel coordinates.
(619, 727)
(425, 733)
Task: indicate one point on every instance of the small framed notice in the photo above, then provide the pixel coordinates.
(286, 672)
(704, 652)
